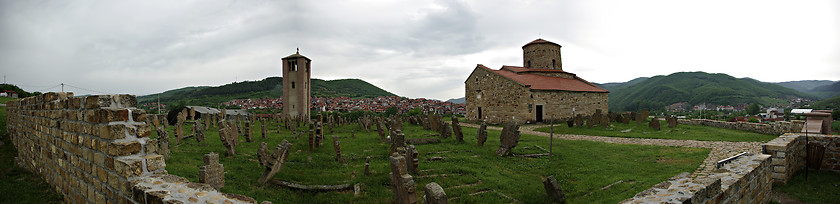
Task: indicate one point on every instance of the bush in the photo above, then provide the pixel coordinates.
(835, 114)
(753, 120)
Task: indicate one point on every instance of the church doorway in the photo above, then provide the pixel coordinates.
(539, 113)
(479, 113)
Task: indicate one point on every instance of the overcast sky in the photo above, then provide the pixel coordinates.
(416, 48)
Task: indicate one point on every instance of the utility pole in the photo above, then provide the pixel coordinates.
(62, 87)
(551, 138)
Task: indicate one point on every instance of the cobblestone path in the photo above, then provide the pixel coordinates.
(719, 149)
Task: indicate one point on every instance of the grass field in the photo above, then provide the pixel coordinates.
(681, 132)
(19, 185)
(581, 167)
(819, 187)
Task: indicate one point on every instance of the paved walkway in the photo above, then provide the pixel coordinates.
(720, 149)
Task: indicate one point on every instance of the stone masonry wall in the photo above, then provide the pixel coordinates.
(774, 128)
(788, 154)
(96, 149)
(503, 100)
(744, 180)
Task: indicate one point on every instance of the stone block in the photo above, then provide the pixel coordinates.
(115, 131)
(154, 162)
(552, 188)
(138, 115)
(128, 167)
(434, 194)
(124, 148)
(144, 130)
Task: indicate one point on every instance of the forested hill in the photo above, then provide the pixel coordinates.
(697, 88)
(271, 87)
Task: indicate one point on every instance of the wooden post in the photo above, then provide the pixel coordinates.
(551, 138)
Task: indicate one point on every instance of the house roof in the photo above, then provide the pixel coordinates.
(204, 110)
(296, 55)
(525, 77)
(540, 41)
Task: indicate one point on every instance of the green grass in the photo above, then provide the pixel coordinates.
(681, 132)
(820, 187)
(20, 185)
(3, 100)
(581, 167)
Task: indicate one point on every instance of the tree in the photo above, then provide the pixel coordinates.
(753, 109)
(753, 120)
(835, 114)
(391, 111)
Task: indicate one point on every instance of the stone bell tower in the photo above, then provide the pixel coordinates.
(296, 78)
(542, 54)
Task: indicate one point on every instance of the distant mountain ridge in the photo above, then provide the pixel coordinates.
(271, 87)
(461, 100)
(695, 88)
(819, 88)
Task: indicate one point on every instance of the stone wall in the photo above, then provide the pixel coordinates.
(773, 128)
(542, 56)
(744, 180)
(96, 149)
(502, 100)
(788, 152)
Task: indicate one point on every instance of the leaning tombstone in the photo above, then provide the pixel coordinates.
(481, 136)
(672, 122)
(434, 194)
(228, 136)
(552, 188)
(509, 139)
(456, 128)
(212, 172)
(274, 162)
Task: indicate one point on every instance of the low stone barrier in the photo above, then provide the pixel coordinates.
(744, 180)
(773, 128)
(96, 149)
(789, 154)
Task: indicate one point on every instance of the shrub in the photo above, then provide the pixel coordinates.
(753, 120)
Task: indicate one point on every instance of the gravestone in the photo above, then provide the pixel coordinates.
(337, 147)
(509, 139)
(212, 172)
(264, 129)
(481, 136)
(163, 142)
(179, 131)
(353, 134)
(434, 194)
(199, 131)
(578, 120)
(672, 121)
(645, 113)
(402, 184)
(456, 128)
(570, 122)
(381, 131)
(274, 162)
(552, 188)
(397, 142)
(654, 123)
(367, 166)
(247, 132)
(605, 121)
(229, 138)
(311, 140)
(411, 159)
(445, 132)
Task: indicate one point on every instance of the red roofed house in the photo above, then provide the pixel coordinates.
(535, 92)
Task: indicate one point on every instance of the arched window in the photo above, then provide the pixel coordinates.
(293, 84)
(553, 64)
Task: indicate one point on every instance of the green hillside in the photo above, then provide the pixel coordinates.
(827, 91)
(831, 103)
(271, 87)
(620, 85)
(805, 86)
(696, 88)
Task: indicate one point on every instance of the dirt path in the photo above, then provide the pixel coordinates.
(720, 150)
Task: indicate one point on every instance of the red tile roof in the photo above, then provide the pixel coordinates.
(540, 41)
(525, 77)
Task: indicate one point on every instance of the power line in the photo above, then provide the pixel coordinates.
(49, 88)
(84, 89)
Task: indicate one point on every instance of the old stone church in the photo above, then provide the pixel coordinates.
(537, 91)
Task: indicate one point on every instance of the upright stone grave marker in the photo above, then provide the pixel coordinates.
(481, 136)
(402, 184)
(654, 123)
(552, 188)
(199, 131)
(163, 142)
(248, 137)
(212, 172)
(337, 147)
(229, 138)
(264, 129)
